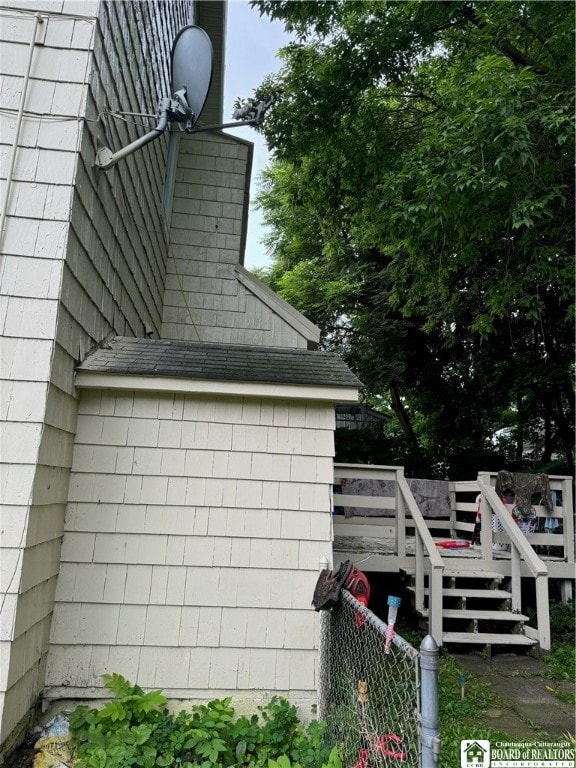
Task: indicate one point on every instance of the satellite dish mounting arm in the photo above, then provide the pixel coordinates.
(105, 158)
(177, 110)
(191, 65)
(247, 112)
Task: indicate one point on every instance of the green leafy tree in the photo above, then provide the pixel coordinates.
(420, 207)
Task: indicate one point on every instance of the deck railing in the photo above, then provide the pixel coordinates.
(558, 541)
(403, 513)
(424, 544)
(520, 549)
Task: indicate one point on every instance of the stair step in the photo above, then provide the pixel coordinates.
(501, 594)
(456, 613)
(462, 574)
(486, 638)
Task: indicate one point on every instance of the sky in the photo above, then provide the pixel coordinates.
(251, 45)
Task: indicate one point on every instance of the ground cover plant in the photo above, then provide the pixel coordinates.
(561, 660)
(562, 622)
(137, 729)
(464, 718)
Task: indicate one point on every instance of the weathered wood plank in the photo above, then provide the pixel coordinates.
(369, 502)
(370, 531)
(485, 638)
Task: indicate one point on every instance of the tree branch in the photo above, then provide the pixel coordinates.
(506, 47)
(404, 421)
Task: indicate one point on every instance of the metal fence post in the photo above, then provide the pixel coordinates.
(323, 666)
(323, 658)
(429, 720)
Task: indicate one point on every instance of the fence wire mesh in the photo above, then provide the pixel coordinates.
(370, 699)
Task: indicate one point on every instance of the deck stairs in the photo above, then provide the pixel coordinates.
(476, 609)
(469, 595)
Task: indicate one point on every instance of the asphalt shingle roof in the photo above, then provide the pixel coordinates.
(219, 362)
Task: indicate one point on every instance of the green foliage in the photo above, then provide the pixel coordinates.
(561, 662)
(420, 208)
(463, 718)
(479, 695)
(563, 621)
(136, 729)
(283, 761)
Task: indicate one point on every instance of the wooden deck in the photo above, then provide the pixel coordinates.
(391, 535)
(353, 545)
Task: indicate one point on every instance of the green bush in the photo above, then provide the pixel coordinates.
(561, 662)
(562, 622)
(135, 729)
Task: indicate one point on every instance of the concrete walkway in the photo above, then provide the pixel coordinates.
(529, 706)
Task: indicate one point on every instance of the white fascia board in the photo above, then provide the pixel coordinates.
(90, 380)
(277, 304)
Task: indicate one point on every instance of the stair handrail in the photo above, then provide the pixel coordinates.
(521, 548)
(424, 541)
(534, 563)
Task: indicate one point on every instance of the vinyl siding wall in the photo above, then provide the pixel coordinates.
(194, 533)
(36, 444)
(79, 262)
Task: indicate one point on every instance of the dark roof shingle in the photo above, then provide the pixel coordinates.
(219, 362)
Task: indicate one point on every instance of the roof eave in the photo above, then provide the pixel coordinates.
(173, 384)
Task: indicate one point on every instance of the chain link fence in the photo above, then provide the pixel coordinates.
(370, 698)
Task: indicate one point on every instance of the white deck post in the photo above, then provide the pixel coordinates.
(400, 518)
(566, 590)
(435, 604)
(486, 529)
(568, 519)
(543, 611)
(453, 515)
(516, 580)
(419, 574)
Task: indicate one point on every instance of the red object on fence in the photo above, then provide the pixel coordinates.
(362, 759)
(389, 745)
(358, 585)
(394, 750)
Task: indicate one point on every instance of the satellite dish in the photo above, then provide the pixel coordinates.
(192, 58)
(191, 76)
